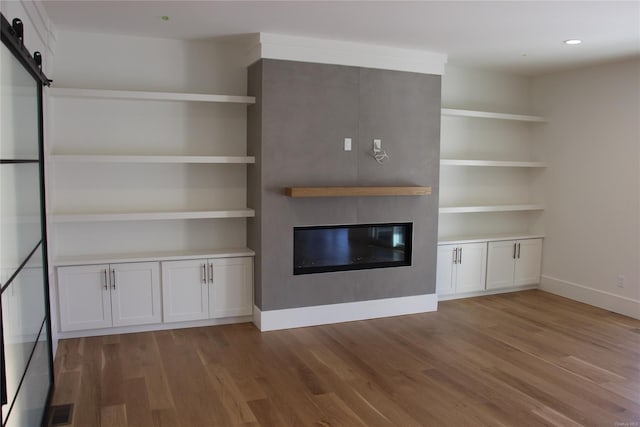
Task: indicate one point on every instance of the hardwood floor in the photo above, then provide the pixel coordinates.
(519, 359)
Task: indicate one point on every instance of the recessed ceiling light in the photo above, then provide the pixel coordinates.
(573, 41)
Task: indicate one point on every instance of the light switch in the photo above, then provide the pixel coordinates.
(347, 144)
(377, 145)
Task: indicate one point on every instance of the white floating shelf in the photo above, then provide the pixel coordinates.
(491, 115)
(152, 256)
(481, 238)
(108, 158)
(150, 96)
(149, 216)
(492, 163)
(491, 208)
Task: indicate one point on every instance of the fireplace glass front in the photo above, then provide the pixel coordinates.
(351, 247)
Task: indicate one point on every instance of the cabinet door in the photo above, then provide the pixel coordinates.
(84, 294)
(471, 268)
(501, 264)
(185, 294)
(527, 271)
(445, 270)
(231, 287)
(135, 293)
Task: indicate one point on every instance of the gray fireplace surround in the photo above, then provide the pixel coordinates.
(296, 132)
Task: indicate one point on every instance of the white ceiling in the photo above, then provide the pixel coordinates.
(523, 37)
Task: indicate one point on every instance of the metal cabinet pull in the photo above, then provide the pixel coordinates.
(455, 256)
(113, 278)
(204, 273)
(106, 280)
(210, 273)
(460, 260)
(515, 245)
(519, 250)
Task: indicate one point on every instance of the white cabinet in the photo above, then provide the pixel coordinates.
(207, 289)
(231, 292)
(513, 263)
(461, 268)
(135, 293)
(105, 295)
(185, 290)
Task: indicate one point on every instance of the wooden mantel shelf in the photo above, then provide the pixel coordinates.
(356, 191)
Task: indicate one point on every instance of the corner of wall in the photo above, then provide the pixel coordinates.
(592, 184)
(597, 298)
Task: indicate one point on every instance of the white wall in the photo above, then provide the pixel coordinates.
(107, 61)
(592, 220)
(477, 89)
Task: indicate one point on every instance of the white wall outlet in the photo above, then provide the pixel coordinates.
(347, 144)
(377, 145)
(620, 281)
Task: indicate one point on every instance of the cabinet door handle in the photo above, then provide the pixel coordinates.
(515, 245)
(455, 256)
(460, 259)
(519, 250)
(210, 273)
(113, 278)
(204, 273)
(106, 280)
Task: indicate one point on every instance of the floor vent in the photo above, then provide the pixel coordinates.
(61, 415)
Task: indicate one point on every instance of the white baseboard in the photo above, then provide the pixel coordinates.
(152, 327)
(345, 312)
(449, 297)
(616, 303)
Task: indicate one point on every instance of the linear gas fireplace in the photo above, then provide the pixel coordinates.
(351, 247)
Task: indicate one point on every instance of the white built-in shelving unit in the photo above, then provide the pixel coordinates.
(147, 176)
(491, 115)
(151, 216)
(109, 158)
(490, 172)
(492, 163)
(148, 96)
(490, 208)
(150, 256)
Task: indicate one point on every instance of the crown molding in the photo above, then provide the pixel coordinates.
(276, 46)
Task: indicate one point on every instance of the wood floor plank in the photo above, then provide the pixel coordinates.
(158, 391)
(555, 418)
(526, 359)
(72, 357)
(337, 412)
(194, 397)
(113, 416)
(232, 399)
(345, 384)
(68, 388)
(165, 418)
(87, 409)
(267, 415)
(112, 375)
(137, 403)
